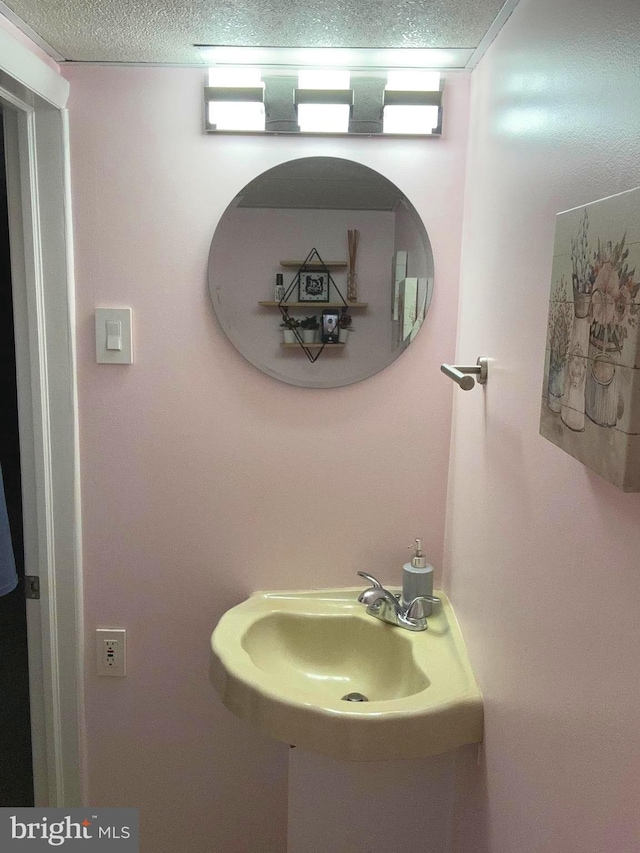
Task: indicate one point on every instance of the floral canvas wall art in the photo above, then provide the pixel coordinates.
(591, 389)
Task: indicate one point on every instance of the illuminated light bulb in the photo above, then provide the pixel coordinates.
(323, 118)
(413, 81)
(334, 78)
(237, 115)
(235, 76)
(410, 119)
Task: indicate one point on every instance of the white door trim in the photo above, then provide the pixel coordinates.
(36, 142)
(27, 68)
(29, 32)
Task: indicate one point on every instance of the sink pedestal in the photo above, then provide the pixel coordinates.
(351, 807)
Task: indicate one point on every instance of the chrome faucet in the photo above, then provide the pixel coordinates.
(384, 605)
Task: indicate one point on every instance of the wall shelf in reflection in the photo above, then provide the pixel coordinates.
(355, 305)
(315, 346)
(334, 265)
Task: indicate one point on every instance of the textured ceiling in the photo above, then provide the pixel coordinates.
(166, 30)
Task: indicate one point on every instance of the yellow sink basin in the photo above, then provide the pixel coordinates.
(284, 661)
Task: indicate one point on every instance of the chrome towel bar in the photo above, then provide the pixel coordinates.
(463, 374)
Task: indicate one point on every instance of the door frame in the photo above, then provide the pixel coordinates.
(33, 98)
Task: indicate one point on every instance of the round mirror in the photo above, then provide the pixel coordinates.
(320, 272)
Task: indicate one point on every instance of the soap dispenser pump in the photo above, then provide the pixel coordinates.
(417, 579)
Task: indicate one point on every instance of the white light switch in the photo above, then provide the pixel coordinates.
(114, 335)
(114, 342)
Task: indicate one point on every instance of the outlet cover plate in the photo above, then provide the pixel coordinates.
(111, 652)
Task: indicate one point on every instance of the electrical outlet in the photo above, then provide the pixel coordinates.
(111, 651)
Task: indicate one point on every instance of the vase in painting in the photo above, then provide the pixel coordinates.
(575, 374)
(555, 385)
(602, 390)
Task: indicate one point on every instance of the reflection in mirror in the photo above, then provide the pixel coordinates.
(357, 302)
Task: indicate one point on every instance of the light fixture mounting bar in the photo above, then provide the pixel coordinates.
(356, 59)
(323, 96)
(393, 97)
(234, 93)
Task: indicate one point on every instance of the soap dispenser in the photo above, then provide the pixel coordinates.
(417, 579)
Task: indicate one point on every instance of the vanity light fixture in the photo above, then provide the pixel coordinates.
(412, 103)
(234, 99)
(363, 91)
(323, 101)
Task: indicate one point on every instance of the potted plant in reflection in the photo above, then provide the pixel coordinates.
(289, 326)
(344, 325)
(309, 328)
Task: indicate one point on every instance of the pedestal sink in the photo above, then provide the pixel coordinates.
(284, 661)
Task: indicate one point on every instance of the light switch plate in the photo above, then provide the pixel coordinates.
(124, 355)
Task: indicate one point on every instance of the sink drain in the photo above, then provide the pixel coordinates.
(355, 697)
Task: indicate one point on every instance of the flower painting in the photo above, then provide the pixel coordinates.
(591, 389)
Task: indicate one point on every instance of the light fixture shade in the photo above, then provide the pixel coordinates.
(324, 78)
(236, 115)
(242, 76)
(412, 103)
(235, 99)
(324, 101)
(408, 119)
(324, 118)
(413, 80)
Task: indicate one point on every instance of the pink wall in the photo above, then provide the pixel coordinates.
(187, 456)
(542, 555)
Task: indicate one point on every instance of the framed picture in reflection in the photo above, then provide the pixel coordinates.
(313, 286)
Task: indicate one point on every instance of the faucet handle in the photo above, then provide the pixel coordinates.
(415, 610)
(375, 583)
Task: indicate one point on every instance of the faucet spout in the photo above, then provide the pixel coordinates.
(375, 595)
(385, 606)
